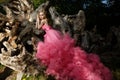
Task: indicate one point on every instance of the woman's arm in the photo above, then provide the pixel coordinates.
(40, 25)
(44, 21)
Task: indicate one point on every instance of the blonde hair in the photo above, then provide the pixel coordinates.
(38, 19)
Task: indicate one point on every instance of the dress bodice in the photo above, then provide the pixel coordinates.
(46, 27)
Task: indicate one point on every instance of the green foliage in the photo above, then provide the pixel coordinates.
(2, 1)
(40, 77)
(1, 67)
(36, 3)
(116, 74)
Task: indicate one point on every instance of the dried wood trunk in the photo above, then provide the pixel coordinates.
(14, 48)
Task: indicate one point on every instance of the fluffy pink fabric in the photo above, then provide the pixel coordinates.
(67, 62)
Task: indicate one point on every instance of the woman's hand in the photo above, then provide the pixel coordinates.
(41, 24)
(44, 21)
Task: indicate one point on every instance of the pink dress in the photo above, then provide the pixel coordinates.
(51, 34)
(67, 62)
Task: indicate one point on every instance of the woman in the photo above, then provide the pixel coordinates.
(63, 59)
(42, 22)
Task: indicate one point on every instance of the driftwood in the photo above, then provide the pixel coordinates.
(14, 49)
(58, 21)
(77, 25)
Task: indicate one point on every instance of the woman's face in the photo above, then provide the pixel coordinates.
(42, 15)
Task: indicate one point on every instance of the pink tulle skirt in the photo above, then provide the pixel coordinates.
(67, 62)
